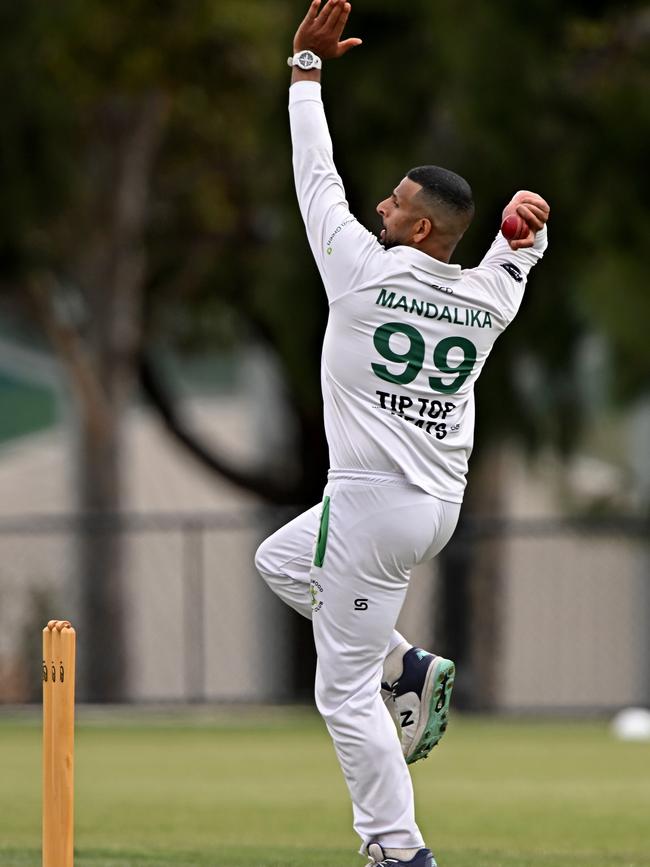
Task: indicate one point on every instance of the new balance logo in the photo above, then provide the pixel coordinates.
(443, 694)
(407, 718)
(514, 272)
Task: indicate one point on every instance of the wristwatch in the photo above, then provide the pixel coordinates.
(305, 60)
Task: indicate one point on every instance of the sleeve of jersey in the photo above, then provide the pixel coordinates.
(506, 271)
(346, 253)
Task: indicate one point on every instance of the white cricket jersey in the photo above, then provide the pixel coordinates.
(407, 335)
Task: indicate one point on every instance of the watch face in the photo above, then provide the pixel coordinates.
(305, 60)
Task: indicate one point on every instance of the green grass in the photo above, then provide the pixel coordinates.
(197, 789)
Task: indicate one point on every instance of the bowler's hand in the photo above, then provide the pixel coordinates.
(533, 209)
(320, 32)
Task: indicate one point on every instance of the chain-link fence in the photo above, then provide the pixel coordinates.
(555, 615)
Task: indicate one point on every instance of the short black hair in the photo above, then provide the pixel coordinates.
(444, 187)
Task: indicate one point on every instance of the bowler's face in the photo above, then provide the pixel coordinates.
(399, 214)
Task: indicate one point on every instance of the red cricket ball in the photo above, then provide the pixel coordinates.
(513, 228)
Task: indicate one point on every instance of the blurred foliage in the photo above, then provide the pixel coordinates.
(553, 100)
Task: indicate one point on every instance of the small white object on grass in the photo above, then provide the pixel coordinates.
(632, 724)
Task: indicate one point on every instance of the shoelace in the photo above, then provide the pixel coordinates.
(377, 852)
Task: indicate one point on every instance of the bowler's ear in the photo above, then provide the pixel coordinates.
(422, 230)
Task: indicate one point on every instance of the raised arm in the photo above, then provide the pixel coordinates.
(345, 252)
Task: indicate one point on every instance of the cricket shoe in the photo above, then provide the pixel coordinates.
(378, 858)
(419, 701)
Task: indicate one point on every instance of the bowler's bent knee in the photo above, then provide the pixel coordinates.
(266, 562)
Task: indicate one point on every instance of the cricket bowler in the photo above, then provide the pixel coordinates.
(407, 337)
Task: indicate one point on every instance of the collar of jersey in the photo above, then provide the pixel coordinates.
(423, 262)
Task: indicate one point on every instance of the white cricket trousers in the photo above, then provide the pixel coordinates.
(346, 564)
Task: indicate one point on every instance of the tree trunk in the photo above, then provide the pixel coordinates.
(116, 272)
(103, 668)
(100, 354)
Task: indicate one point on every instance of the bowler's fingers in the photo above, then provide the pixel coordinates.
(333, 20)
(522, 243)
(524, 197)
(538, 204)
(527, 197)
(347, 44)
(312, 12)
(339, 22)
(534, 216)
(335, 16)
(330, 14)
(307, 24)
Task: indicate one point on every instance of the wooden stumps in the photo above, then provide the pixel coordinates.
(59, 642)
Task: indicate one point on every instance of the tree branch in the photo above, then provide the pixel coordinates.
(260, 483)
(71, 350)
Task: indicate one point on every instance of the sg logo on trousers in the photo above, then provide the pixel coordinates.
(361, 604)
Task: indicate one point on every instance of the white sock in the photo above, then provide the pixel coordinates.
(402, 854)
(393, 665)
